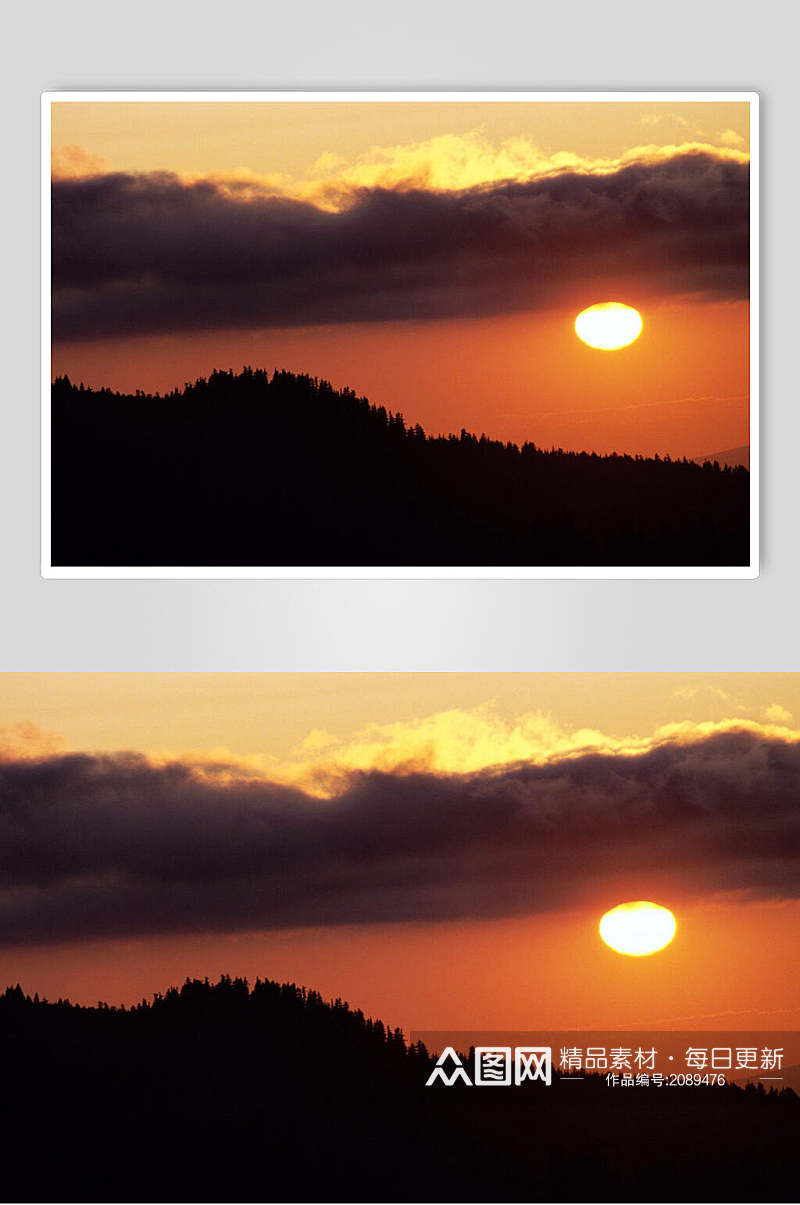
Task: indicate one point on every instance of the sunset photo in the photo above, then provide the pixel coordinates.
(270, 936)
(296, 334)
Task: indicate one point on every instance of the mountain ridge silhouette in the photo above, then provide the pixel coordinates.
(250, 469)
(226, 1091)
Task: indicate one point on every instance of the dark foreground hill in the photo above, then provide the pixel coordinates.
(226, 1093)
(250, 469)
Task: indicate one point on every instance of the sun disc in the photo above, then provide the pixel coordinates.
(608, 325)
(637, 928)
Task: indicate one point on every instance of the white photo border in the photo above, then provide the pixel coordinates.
(48, 570)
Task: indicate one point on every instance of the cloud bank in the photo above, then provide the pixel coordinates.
(459, 161)
(118, 845)
(155, 253)
(459, 741)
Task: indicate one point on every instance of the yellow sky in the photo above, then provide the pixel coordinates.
(297, 717)
(312, 142)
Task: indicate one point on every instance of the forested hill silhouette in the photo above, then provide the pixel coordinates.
(225, 1092)
(284, 470)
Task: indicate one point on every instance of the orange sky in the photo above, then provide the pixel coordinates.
(681, 389)
(731, 964)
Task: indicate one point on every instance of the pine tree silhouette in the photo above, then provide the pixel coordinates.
(248, 469)
(232, 1092)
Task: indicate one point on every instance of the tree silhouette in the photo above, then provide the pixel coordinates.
(284, 470)
(228, 1091)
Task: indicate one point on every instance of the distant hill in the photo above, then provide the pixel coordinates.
(789, 1078)
(284, 470)
(225, 1092)
(732, 457)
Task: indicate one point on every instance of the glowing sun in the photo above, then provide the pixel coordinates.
(609, 325)
(638, 928)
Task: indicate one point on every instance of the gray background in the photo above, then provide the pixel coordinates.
(402, 625)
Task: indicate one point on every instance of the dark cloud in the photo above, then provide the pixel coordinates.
(143, 253)
(114, 845)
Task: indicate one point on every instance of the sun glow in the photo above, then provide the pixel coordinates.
(608, 325)
(638, 928)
